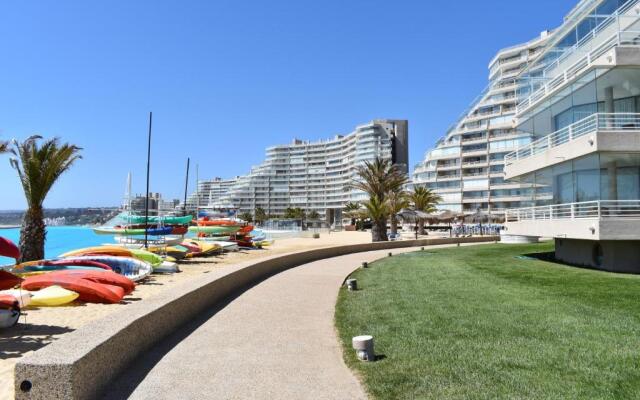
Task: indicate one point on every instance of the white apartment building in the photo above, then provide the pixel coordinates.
(211, 194)
(313, 176)
(466, 166)
(580, 100)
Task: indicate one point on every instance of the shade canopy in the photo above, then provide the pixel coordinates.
(408, 214)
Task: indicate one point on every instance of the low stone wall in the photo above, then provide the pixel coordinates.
(81, 364)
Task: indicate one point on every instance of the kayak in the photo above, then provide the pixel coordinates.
(8, 280)
(215, 230)
(132, 268)
(225, 245)
(133, 232)
(52, 296)
(23, 296)
(132, 242)
(8, 302)
(176, 251)
(217, 222)
(9, 249)
(167, 267)
(203, 248)
(91, 286)
(117, 251)
(140, 219)
(9, 318)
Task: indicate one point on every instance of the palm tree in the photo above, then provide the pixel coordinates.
(313, 214)
(259, 215)
(39, 165)
(352, 210)
(424, 200)
(378, 212)
(378, 179)
(4, 147)
(396, 202)
(246, 216)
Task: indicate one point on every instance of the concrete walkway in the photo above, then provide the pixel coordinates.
(274, 341)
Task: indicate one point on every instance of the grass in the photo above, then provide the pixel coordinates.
(478, 323)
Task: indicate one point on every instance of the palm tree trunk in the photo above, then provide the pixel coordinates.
(421, 226)
(32, 235)
(379, 231)
(394, 225)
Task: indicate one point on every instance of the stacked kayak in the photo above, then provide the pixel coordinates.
(152, 219)
(9, 310)
(52, 296)
(91, 286)
(215, 229)
(126, 231)
(131, 268)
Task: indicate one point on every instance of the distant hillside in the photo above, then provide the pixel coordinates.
(64, 216)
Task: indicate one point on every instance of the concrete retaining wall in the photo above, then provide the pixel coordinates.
(81, 364)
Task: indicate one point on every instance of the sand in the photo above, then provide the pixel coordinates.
(39, 327)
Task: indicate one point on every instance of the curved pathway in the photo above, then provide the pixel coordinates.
(276, 340)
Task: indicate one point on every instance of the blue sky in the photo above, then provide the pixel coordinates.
(225, 79)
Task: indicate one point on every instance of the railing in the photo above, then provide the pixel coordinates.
(601, 122)
(627, 38)
(599, 209)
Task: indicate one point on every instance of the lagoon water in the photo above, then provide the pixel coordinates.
(60, 239)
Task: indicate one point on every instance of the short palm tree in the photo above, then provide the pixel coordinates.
(396, 202)
(378, 179)
(378, 211)
(424, 200)
(259, 215)
(246, 216)
(39, 165)
(352, 210)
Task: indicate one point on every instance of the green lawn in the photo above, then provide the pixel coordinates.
(478, 323)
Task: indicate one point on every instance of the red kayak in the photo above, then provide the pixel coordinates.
(79, 263)
(8, 249)
(8, 302)
(8, 280)
(92, 286)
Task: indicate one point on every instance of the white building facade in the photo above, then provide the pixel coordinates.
(580, 100)
(466, 166)
(313, 176)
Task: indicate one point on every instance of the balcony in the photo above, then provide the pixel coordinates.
(601, 56)
(597, 132)
(590, 220)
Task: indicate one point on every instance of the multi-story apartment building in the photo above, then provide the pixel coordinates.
(466, 166)
(580, 100)
(212, 194)
(313, 176)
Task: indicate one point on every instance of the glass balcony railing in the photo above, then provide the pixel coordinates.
(599, 122)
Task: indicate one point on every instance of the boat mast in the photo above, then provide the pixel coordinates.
(197, 192)
(186, 187)
(146, 205)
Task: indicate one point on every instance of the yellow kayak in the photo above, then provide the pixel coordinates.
(52, 296)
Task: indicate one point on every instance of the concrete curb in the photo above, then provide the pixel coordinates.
(81, 364)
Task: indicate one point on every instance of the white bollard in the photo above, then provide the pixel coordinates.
(364, 347)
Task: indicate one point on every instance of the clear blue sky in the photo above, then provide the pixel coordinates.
(225, 79)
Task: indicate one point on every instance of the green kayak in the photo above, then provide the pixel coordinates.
(215, 230)
(169, 220)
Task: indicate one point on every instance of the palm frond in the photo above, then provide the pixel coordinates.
(39, 165)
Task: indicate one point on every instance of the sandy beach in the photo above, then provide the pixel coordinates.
(39, 327)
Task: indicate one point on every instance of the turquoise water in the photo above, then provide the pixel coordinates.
(60, 239)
